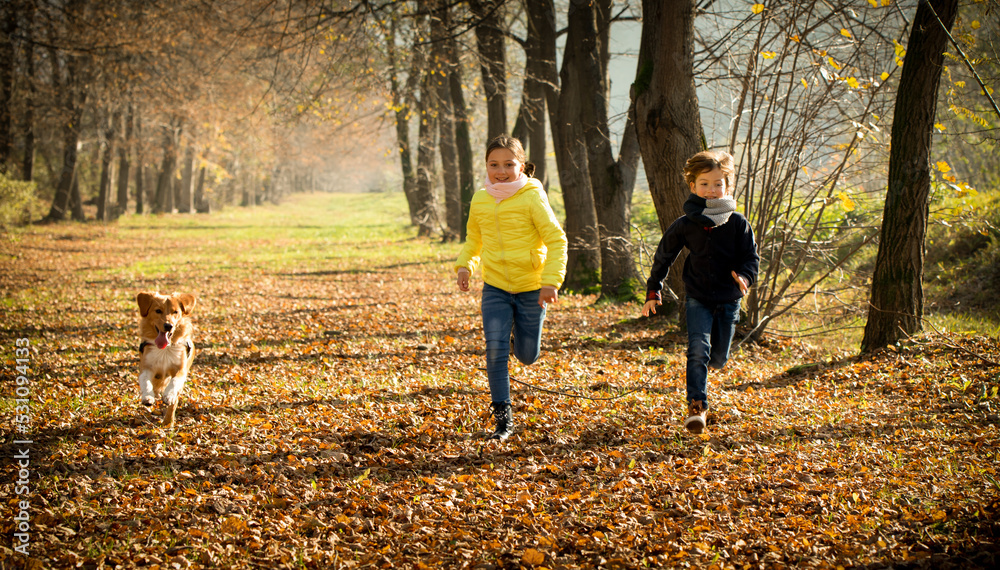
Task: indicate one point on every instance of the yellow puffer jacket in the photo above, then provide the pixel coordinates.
(518, 241)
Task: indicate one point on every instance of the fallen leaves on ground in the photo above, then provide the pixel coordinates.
(335, 415)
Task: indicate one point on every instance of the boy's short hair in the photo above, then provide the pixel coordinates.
(708, 160)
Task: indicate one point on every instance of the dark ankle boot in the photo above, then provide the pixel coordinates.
(505, 421)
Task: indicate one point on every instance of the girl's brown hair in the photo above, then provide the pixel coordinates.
(708, 160)
(514, 146)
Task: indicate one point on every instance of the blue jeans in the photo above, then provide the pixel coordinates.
(710, 333)
(505, 313)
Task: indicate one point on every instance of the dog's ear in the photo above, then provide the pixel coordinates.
(187, 302)
(145, 300)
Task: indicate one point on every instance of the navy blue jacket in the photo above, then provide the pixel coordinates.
(714, 253)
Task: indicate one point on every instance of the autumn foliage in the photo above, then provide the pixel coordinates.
(335, 413)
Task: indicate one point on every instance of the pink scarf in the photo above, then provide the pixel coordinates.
(504, 190)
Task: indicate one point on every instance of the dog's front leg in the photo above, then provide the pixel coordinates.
(146, 387)
(171, 394)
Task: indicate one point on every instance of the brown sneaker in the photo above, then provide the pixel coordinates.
(695, 423)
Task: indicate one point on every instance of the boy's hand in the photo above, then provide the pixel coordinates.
(547, 294)
(463, 279)
(650, 307)
(742, 282)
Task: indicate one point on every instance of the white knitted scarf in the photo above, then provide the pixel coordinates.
(719, 209)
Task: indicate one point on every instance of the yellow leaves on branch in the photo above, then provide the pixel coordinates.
(969, 114)
(757, 8)
(900, 52)
(846, 202)
(898, 47)
(962, 189)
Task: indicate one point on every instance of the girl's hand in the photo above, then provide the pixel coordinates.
(547, 295)
(463, 279)
(742, 282)
(650, 307)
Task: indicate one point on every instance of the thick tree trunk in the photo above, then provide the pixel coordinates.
(74, 98)
(449, 177)
(896, 306)
(540, 38)
(8, 25)
(163, 201)
(427, 209)
(463, 139)
(28, 162)
(440, 29)
(401, 97)
(666, 113)
(76, 200)
(406, 163)
(612, 181)
(493, 63)
(584, 250)
(60, 203)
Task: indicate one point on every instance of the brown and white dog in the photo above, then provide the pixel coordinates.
(165, 347)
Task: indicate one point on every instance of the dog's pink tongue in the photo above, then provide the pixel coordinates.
(161, 340)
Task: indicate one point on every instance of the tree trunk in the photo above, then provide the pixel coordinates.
(427, 211)
(140, 192)
(449, 176)
(201, 205)
(121, 205)
(896, 306)
(107, 154)
(541, 36)
(583, 265)
(463, 139)
(612, 181)
(28, 163)
(542, 19)
(666, 113)
(76, 200)
(440, 29)
(74, 98)
(228, 196)
(8, 25)
(164, 199)
(401, 97)
(60, 203)
(492, 62)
